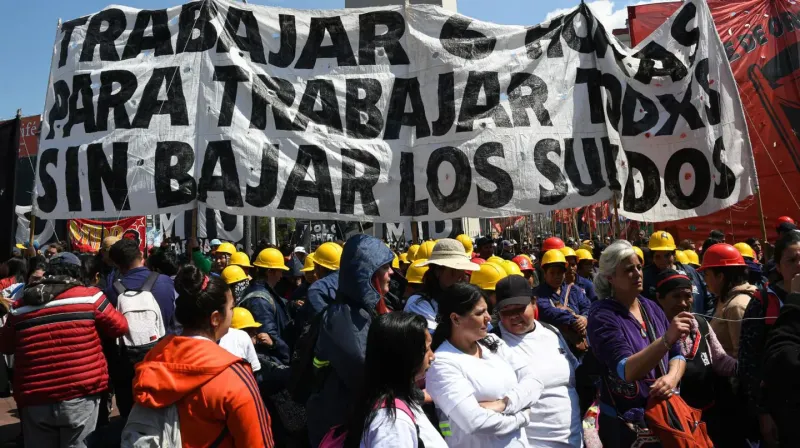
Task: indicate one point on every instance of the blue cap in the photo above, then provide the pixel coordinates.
(215, 242)
(65, 258)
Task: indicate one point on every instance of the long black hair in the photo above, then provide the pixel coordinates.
(196, 303)
(17, 268)
(461, 299)
(395, 352)
(431, 289)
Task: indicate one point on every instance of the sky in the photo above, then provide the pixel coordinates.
(27, 32)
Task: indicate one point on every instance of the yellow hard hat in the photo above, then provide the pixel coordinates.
(465, 241)
(416, 272)
(694, 259)
(587, 243)
(586, 247)
(226, 248)
(241, 259)
(396, 262)
(270, 259)
(403, 258)
(243, 319)
(554, 256)
(745, 250)
(328, 255)
(425, 250)
(511, 268)
(494, 259)
(411, 254)
(488, 276)
(233, 274)
(661, 241)
(308, 264)
(639, 253)
(584, 254)
(568, 252)
(681, 257)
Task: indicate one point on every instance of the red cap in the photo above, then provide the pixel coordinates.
(786, 220)
(523, 263)
(551, 243)
(721, 255)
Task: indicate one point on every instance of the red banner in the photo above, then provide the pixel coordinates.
(87, 234)
(761, 41)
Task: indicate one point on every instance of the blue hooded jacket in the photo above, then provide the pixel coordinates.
(322, 293)
(343, 336)
(269, 310)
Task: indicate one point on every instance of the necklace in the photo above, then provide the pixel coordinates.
(643, 330)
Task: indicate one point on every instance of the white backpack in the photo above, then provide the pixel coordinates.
(152, 428)
(157, 428)
(141, 310)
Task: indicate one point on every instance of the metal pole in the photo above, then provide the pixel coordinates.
(272, 239)
(616, 216)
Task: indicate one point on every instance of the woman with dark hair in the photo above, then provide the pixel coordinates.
(398, 354)
(447, 266)
(759, 319)
(480, 388)
(218, 397)
(705, 385)
(726, 277)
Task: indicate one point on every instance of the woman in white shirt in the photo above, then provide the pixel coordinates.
(481, 390)
(388, 411)
(555, 416)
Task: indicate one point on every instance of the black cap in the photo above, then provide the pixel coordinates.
(513, 290)
(483, 240)
(668, 280)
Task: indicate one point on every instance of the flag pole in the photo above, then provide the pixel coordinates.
(616, 215)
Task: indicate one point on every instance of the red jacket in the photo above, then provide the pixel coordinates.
(56, 344)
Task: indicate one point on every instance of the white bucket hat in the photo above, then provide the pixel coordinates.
(450, 253)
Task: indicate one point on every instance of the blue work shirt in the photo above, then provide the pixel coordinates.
(269, 310)
(163, 291)
(547, 298)
(587, 286)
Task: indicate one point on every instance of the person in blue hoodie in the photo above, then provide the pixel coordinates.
(342, 342)
(562, 305)
(326, 266)
(662, 246)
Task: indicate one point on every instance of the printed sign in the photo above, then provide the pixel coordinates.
(386, 114)
(86, 235)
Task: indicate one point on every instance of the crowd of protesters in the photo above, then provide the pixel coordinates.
(457, 342)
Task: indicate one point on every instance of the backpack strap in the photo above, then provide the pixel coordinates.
(403, 406)
(151, 280)
(119, 287)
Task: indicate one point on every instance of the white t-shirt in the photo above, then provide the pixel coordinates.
(425, 308)
(238, 343)
(458, 382)
(401, 433)
(555, 416)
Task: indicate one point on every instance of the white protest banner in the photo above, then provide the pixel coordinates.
(386, 114)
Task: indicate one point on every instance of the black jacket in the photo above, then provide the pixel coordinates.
(782, 372)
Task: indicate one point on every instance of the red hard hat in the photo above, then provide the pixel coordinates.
(477, 260)
(551, 243)
(721, 255)
(523, 263)
(786, 219)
